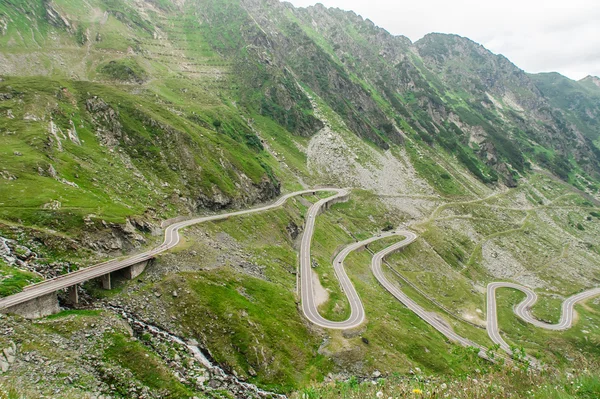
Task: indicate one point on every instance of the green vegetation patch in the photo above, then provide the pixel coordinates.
(124, 70)
(13, 280)
(76, 313)
(251, 325)
(500, 382)
(433, 173)
(84, 169)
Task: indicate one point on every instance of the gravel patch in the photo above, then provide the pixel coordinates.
(344, 160)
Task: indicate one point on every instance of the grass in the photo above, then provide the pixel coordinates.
(454, 272)
(548, 308)
(125, 70)
(95, 350)
(429, 263)
(438, 177)
(240, 317)
(430, 273)
(249, 324)
(146, 128)
(555, 348)
(398, 340)
(57, 247)
(244, 319)
(202, 135)
(358, 219)
(497, 382)
(77, 313)
(12, 279)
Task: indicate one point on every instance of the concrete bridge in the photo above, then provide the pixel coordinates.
(41, 299)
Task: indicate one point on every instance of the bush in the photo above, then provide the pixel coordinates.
(562, 167)
(80, 36)
(254, 142)
(126, 70)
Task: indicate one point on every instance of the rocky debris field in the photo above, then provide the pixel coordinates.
(342, 158)
(95, 354)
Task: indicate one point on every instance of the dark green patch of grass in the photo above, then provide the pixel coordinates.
(254, 323)
(435, 175)
(162, 146)
(124, 70)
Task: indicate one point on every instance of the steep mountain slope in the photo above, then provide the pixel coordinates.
(118, 114)
(480, 107)
(580, 101)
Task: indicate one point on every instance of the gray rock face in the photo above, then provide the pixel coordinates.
(4, 248)
(293, 230)
(7, 175)
(4, 366)
(3, 25)
(108, 126)
(249, 193)
(56, 18)
(10, 353)
(15, 254)
(8, 357)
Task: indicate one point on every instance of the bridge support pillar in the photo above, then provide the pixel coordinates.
(73, 295)
(106, 283)
(134, 271)
(36, 308)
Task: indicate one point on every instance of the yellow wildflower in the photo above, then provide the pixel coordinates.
(417, 391)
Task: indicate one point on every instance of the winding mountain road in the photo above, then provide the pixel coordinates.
(522, 310)
(357, 315)
(357, 312)
(309, 306)
(431, 318)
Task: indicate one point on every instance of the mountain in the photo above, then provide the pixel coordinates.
(116, 115)
(579, 101)
(591, 81)
(379, 84)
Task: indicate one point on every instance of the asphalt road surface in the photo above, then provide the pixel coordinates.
(357, 312)
(357, 315)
